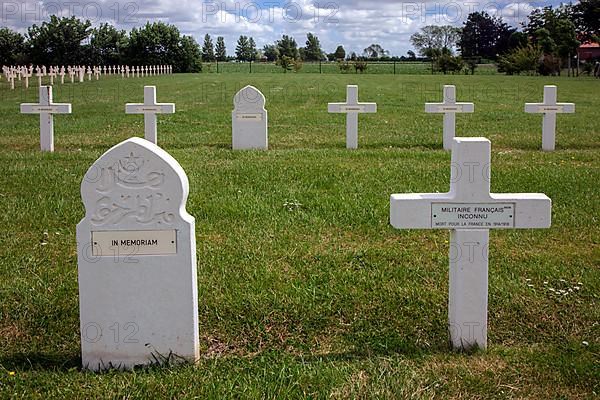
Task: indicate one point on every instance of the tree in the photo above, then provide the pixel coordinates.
(554, 31)
(220, 50)
(587, 20)
(107, 45)
(288, 47)
(312, 51)
(411, 55)
(189, 57)
(160, 43)
(58, 41)
(375, 51)
(252, 53)
(517, 39)
(241, 50)
(340, 53)
(208, 49)
(432, 41)
(270, 52)
(522, 59)
(12, 45)
(484, 36)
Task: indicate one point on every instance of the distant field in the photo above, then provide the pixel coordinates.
(411, 68)
(304, 288)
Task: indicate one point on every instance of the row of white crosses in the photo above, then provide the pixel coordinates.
(78, 72)
(450, 107)
(250, 122)
(46, 108)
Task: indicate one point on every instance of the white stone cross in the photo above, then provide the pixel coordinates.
(549, 108)
(52, 75)
(136, 260)
(39, 74)
(150, 108)
(352, 107)
(46, 108)
(469, 210)
(449, 107)
(11, 78)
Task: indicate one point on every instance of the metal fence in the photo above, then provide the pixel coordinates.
(377, 67)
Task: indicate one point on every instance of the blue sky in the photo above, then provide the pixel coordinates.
(355, 24)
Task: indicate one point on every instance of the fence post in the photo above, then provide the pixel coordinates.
(217, 66)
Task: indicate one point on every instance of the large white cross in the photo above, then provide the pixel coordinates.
(46, 108)
(469, 210)
(449, 107)
(549, 108)
(352, 108)
(150, 108)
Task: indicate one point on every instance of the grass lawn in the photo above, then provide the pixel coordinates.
(305, 290)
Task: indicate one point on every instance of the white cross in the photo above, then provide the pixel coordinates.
(449, 107)
(150, 108)
(549, 108)
(352, 108)
(469, 210)
(46, 108)
(52, 74)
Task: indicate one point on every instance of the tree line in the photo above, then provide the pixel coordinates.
(71, 41)
(546, 43)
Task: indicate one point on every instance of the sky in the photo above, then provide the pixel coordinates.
(355, 24)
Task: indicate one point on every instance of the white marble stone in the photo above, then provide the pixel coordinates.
(352, 107)
(550, 107)
(46, 108)
(449, 107)
(469, 210)
(138, 294)
(150, 108)
(249, 120)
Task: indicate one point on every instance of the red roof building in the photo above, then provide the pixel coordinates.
(588, 51)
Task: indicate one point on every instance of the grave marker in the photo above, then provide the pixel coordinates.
(46, 108)
(469, 210)
(549, 108)
(136, 244)
(150, 108)
(352, 107)
(249, 120)
(449, 107)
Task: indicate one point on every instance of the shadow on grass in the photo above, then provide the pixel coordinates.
(41, 361)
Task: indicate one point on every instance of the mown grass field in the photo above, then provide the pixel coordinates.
(305, 290)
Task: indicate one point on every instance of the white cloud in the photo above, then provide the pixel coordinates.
(353, 23)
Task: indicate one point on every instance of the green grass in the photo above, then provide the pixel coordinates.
(325, 299)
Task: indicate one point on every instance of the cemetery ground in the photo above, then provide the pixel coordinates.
(304, 287)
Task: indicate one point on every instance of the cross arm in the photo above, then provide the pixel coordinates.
(160, 108)
(56, 108)
(441, 211)
(532, 210)
(413, 211)
(535, 108)
(449, 108)
(352, 108)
